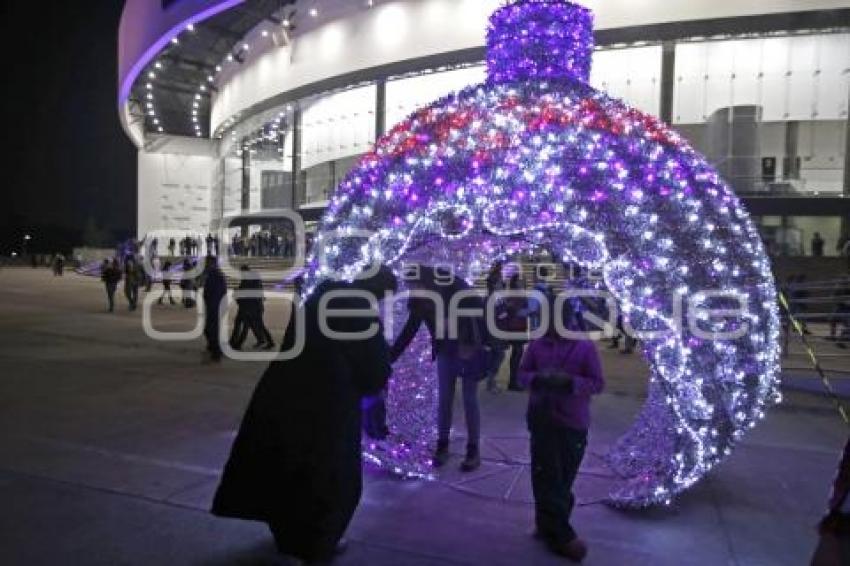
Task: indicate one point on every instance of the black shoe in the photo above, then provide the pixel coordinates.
(441, 455)
(473, 459)
(575, 550)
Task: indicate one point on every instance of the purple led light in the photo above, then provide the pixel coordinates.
(537, 158)
(153, 51)
(540, 39)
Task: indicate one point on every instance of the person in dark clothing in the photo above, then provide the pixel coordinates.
(131, 283)
(817, 245)
(834, 545)
(562, 375)
(110, 275)
(166, 284)
(840, 317)
(630, 341)
(187, 284)
(464, 357)
(296, 463)
(250, 314)
(516, 321)
(215, 290)
(495, 283)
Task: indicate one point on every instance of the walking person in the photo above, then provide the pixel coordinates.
(296, 462)
(461, 358)
(166, 284)
(250, 313)
(110, 274)
(562, 375)
(131, 282)
(215, 291)
(172, 246)
(187, 284)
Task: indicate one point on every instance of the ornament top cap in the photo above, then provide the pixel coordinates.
(540, 39)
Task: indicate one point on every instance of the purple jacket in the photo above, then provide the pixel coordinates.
(567, 406)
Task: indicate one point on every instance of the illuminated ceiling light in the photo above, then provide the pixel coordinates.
(150, 96)
(195, 104)
(160, 129)
(286, 23)
(265, 33)
(203, 88)
(197, 97)
(149, 86)
(246, 47)
(218, 68)
(210, 78)
(150, 105)
(190, 27)
(151, 113)
(151, 75)
(314, 12)
(156, 121)
(370, 3)
(158, 65)
(230, 57)
(175, 41)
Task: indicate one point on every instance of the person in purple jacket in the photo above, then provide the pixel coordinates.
(562, 375)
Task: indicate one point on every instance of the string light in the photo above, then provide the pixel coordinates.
(535, 157)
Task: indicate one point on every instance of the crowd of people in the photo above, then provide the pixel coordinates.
(262, 243)
(306, 486)
(136, 277)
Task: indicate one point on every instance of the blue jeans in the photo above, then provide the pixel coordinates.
(448, 370)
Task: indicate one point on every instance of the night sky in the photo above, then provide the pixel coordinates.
(69, 162)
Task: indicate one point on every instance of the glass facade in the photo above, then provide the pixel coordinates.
(771, 113)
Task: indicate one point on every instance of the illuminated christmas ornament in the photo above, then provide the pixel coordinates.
(536, 157)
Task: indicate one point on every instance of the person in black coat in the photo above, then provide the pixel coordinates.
(250, 313)
(215, 290)
(296, 462)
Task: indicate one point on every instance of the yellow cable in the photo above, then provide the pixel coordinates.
(827, 384)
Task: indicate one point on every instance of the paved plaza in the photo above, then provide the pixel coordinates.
(111, 445)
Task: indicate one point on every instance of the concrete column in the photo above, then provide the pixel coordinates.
(847, 161)
(246, 181)
(380, 108)
(791, 168)
(845, 221)
(668, 80)
(297, 189)
(734, 146)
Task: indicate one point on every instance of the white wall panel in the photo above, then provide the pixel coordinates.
(791, 78)
(338, 125)
(634, 75)
(174, 193)
(404, 96)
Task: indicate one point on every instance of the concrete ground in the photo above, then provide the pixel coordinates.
(111, 446)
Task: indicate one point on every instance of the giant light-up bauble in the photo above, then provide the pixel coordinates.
(535, 156)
